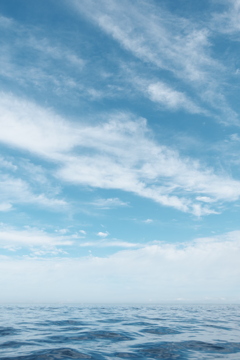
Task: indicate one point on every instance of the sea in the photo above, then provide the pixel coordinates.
(49, 332)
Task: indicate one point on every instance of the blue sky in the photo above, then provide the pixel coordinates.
(119, 147)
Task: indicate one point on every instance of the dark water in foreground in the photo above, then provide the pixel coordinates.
(120, 332)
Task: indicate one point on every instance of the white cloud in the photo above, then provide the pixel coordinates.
(161, 93)
(62, 231)
(119, 153)
(30, 127)
(148, 221)
(205, 268)
(27, 183)
(205, 199)
(5, 207)
(55, 51)
(234, 137)
(228, 21)
(102, 234)
(31, 237)
(51, 251)
(4, 163)
(108, 203)
(6, 22)
(110, 243)
(35, 173)
(17, 191)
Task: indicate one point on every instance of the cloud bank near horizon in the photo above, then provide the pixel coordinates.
(203, 270)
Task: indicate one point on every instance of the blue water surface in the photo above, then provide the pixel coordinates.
(120, 332)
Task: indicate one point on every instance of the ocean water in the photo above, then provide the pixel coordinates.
(120, 332)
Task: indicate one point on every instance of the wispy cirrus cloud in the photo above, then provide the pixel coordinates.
(52, 65)
(22, 182)
(11, 238)
(228, 21)
(41, 53)
(118, 153)
(15, 190)
(34, 38)
(108, 203)
(7, 164)
(171, 43)
(110, 243)
(155, 36)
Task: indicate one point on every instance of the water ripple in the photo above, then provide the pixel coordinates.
(120, 332)
(65, 353)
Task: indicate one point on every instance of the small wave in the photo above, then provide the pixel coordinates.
(162, 352)
(5, 331)
(139, 323)
(64, 353)
(226, 348)
(110, 321)
(116, 336)
(62, 323)
(161, 331)
(218, 327)
(178, 350)
(14, 344)
(90, 335)
(126, 355)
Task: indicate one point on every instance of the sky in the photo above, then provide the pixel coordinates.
(119, 161)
